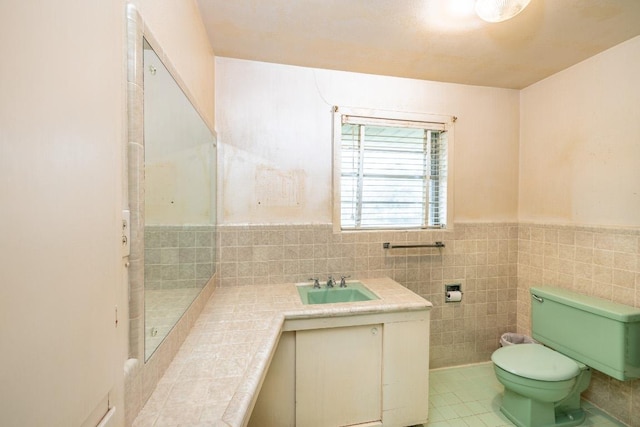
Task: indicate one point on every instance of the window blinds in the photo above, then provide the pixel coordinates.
(393, 174)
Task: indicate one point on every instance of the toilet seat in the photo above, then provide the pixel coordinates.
(537, 362)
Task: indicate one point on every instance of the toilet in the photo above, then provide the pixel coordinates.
(543, 382)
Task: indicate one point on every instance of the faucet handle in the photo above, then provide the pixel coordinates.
(343, 283)
(316, 282)
(331, 282)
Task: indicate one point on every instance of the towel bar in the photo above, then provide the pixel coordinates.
(388, 245)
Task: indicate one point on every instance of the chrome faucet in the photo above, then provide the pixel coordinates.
(343, 283)
(316, 283)
(331, 282)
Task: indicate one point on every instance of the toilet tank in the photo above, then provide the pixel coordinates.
(599, 333)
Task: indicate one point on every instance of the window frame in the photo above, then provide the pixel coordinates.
(394, 117)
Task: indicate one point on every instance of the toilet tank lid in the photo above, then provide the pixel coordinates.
(536, 362)
(602, 307)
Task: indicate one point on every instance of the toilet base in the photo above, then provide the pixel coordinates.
(526, 412)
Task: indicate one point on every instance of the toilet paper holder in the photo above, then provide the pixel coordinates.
(453, 292)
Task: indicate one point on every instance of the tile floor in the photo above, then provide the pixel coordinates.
(469, 396)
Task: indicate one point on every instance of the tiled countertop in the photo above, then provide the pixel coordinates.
(216, 374)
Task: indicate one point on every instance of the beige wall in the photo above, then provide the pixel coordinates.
(62, 127)
(274, 127)
(62, 186)
(579, 198)
(178, 27)
(579, 144)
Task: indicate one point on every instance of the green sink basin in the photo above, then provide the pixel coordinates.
(354, 292)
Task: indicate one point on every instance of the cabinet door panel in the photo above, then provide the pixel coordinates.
(406, 373)
(338, 376)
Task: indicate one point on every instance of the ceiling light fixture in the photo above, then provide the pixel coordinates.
(499, 10)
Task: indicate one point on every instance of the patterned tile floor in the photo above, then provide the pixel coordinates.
(470, 396)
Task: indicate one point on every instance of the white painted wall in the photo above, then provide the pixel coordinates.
(62, 127)
(580, 142)
(274, 128)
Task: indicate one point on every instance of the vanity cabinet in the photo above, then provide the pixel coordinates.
(338, 376)
(362, 370)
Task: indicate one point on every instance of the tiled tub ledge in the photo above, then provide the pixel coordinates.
(216, 375)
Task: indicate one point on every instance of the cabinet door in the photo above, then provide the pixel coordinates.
(338, 376)
(406, 372)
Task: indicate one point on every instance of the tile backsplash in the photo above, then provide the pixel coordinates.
(178, 256)
(480, 257)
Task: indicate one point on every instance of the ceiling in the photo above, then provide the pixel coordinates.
(441, 40)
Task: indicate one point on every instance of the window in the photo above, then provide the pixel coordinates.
(392, 172)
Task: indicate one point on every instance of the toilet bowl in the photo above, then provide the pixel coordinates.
(542, 386)
(542, 382)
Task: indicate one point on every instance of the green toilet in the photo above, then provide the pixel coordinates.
(542, 384)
